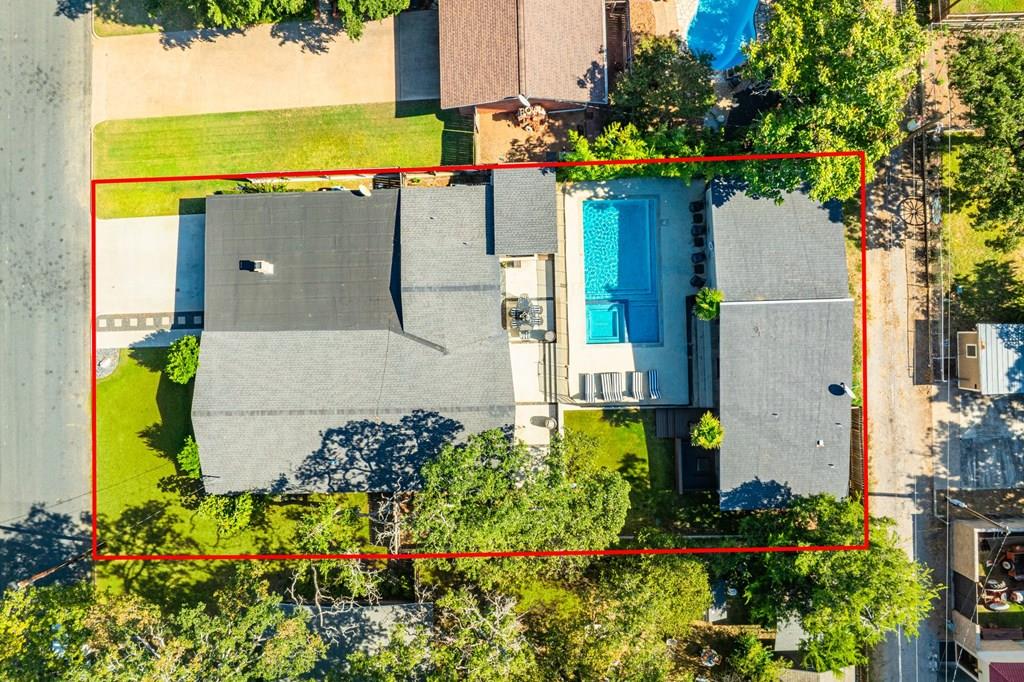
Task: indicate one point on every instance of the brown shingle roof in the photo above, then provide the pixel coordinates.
(496, 49)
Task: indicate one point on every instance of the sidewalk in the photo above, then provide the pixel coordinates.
(266, 67)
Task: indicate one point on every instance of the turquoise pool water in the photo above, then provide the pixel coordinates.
(619, 271)
(720, 28)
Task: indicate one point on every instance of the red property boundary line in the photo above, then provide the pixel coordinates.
(860, 155)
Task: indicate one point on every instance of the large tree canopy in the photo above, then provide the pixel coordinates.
(242, 13)
(78, 633)
(987, 72)
(845, 600)
(665, 87)
(843, 69)
(493, 495)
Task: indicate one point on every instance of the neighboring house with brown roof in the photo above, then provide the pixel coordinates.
(494, 51)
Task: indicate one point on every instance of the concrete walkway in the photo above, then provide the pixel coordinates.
(266, 67)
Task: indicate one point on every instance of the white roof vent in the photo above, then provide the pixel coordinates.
(820, 443)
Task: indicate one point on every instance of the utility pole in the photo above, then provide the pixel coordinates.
(35, 577)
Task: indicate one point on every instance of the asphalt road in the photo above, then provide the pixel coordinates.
(44, 282)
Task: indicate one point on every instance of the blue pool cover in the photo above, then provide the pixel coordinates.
(720, 28)
(618, 267)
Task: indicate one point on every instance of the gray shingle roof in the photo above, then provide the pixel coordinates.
(1001, 358)
(780, 366)
(763, 251)
(359, 409)
(491, 50)
(524, 211)
(364, 628)
(330, 250)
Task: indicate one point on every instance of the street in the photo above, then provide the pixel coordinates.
(44, 284)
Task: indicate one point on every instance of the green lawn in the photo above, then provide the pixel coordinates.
(986, 6)
(626, 443)
(1013, 618)
(990, 281)
(142, 419)
(358, 136)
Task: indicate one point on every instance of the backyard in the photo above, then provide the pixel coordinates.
(626, 443)
(142, 421)
(355, 136)
(988, 281)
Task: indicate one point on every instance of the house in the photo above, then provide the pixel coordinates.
(788, 636)
(505, 53)
(348, 336)
(784, 352)
(987, 622)
(989, 359)
(367, 629)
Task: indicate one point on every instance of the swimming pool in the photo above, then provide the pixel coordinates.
(720, 28)
(619, 271)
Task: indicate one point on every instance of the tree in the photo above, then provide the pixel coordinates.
(182, 360)
(228, 13)
(492, 494)
(333, 526)
(405, 658)
(987, 71)
(476, 637)
(754, 662)
(846, 601)
(708, 433)
(232, 513)
(708, 302)
(79, 633)
(625, 615)
(665, 87)
(354, 13)
(188, 458)
(618, 142)
(843, 69)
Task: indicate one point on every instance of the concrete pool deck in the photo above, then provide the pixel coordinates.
(673, 270)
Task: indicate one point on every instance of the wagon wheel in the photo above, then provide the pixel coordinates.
(913, 212)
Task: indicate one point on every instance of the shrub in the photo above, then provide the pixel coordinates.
(754, 662)
(188, 458)
(233, 513)
(708, 302)
(708, 433)
(183, 360)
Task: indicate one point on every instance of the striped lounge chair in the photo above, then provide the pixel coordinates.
(589, 391)
(611, 386)
(652, 384)
(636, 385)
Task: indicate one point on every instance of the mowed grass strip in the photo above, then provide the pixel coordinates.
(357, 136)
(987, 6)
(627, 444)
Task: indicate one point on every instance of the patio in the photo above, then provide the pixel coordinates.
(500, 140)
(671, 270)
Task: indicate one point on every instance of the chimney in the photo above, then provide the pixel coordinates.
(263, 266)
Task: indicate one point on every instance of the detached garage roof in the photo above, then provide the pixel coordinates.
(785, 347)
(492, 50)
(1001, 358)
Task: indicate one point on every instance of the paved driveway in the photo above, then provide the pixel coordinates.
(149, 279)
(44, 285)
(266, 67)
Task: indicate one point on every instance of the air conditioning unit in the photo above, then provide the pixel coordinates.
(263, 266)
